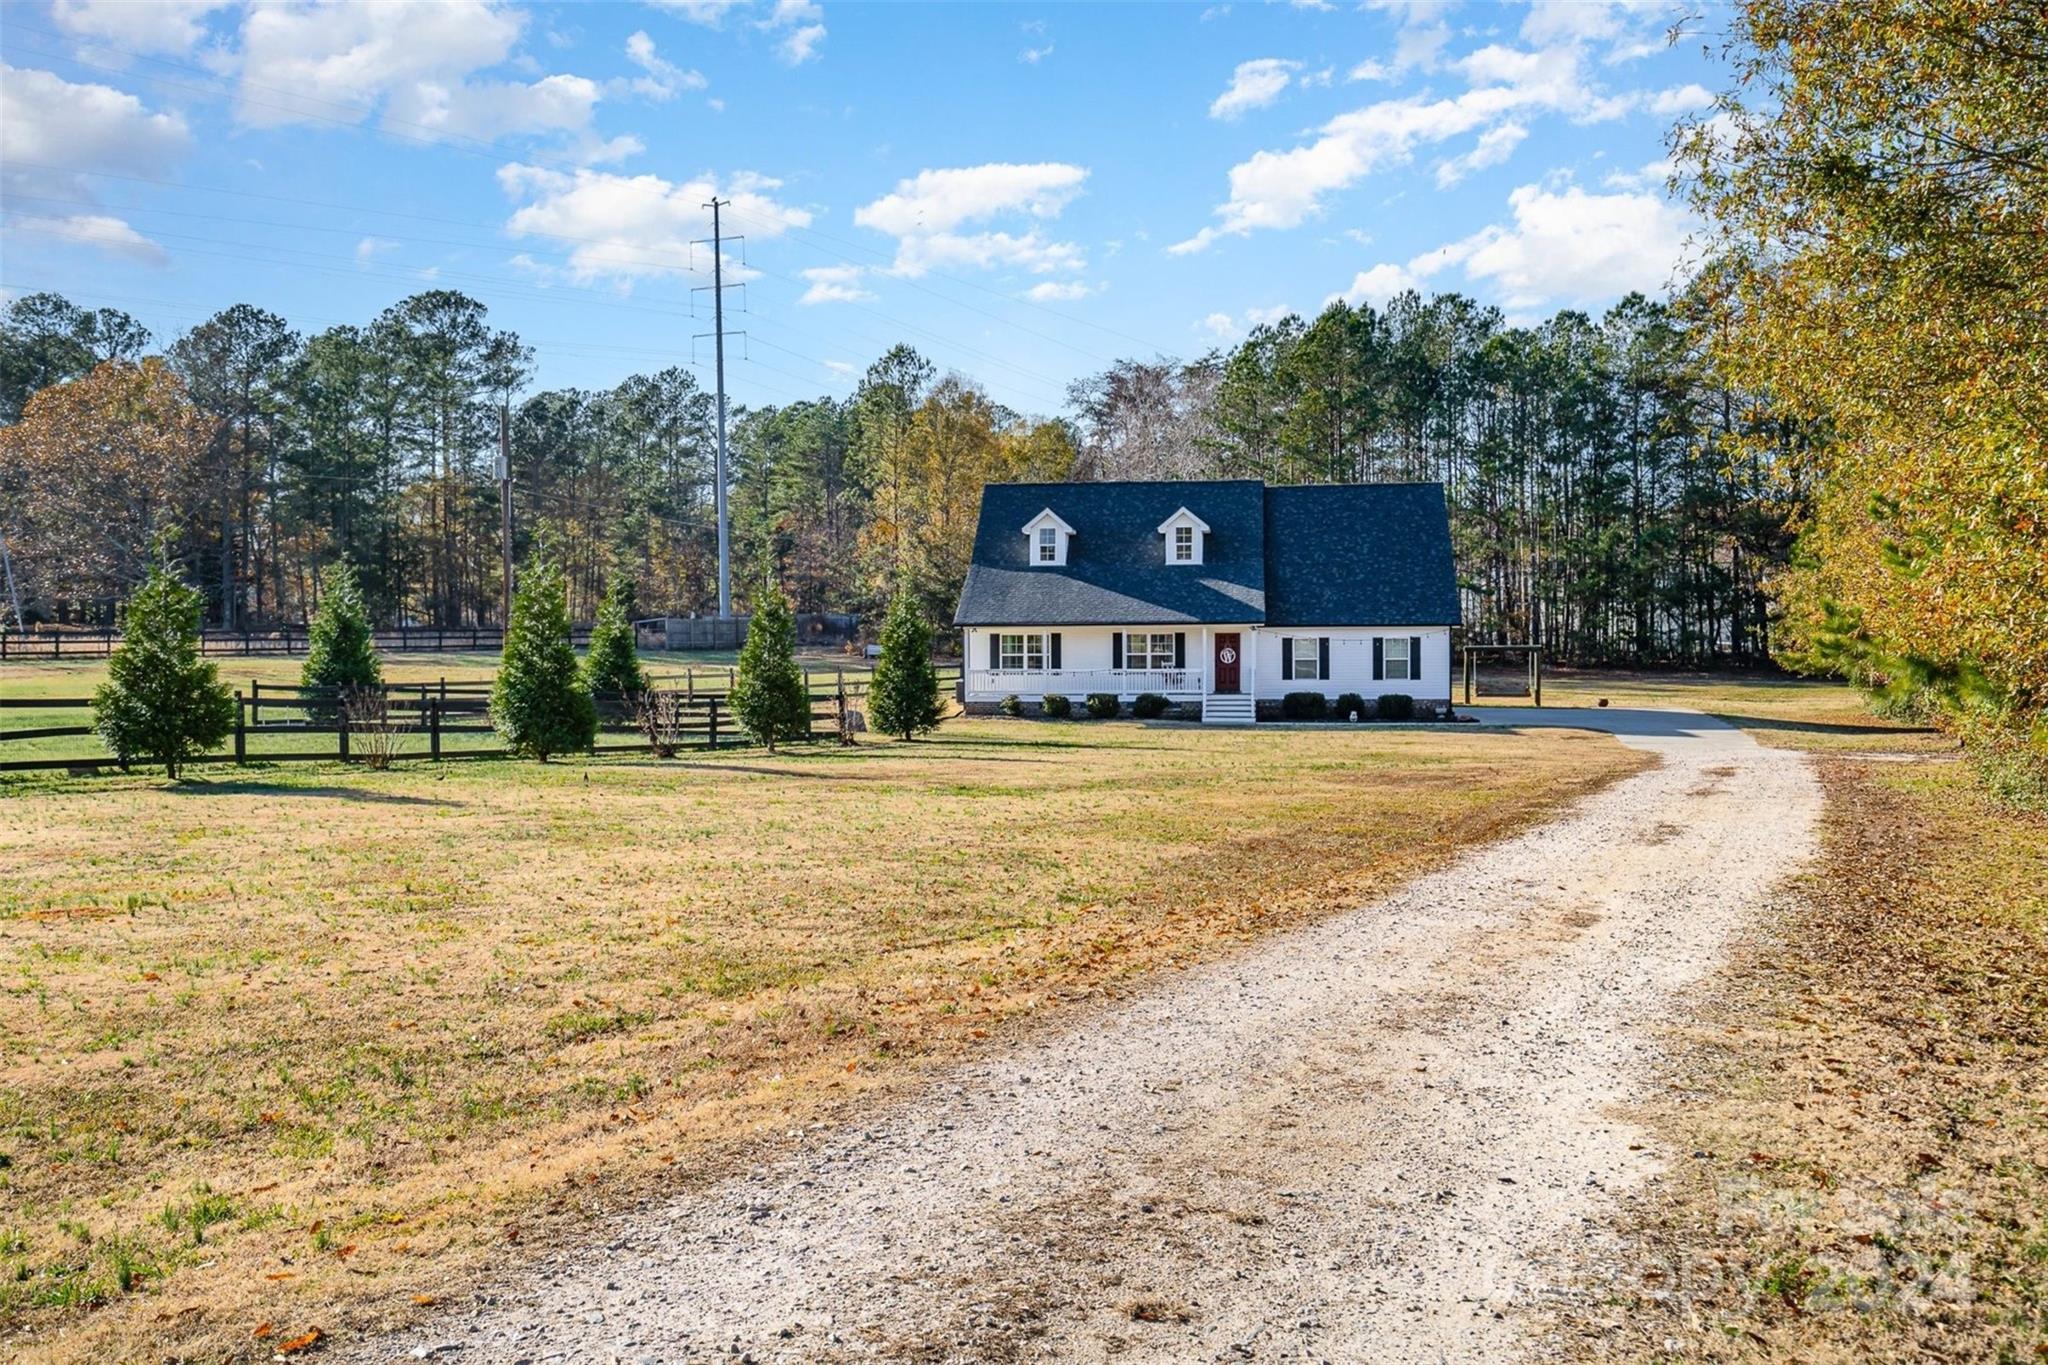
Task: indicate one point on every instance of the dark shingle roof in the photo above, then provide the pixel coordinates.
(1366, 554)
(1116, 571)
(1319, 555)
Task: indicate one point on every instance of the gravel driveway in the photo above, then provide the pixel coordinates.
(1379, 1138)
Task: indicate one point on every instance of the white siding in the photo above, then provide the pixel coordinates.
(1351, 662)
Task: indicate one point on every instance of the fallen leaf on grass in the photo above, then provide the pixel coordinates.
(300, 1343)
(263, 1329)
(281, 1275)
(425, 1300)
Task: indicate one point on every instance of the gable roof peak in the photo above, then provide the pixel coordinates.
(1183, 518)
(1047, 518)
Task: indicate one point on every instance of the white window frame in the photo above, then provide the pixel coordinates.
(1156, 651)
(1183, 522)
(1312, 671)
(1029, 653)
(1387, 669)
(1036, 531)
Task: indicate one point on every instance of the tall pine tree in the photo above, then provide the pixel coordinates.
(768, 693)
(162, 700)
(539, 703)
(903, 696)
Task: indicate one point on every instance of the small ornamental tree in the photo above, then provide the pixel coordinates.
(539, 703)
(903, 696)
(611, 670)
(768, 692)
(162, 700)
(338, 648)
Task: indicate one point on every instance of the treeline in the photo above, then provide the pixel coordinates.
(266, 455)
(1607, 498)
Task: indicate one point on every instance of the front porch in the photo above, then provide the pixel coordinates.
(1175, 684)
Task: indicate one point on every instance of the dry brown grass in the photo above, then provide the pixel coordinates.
(304, 1049)
(1865, 1104)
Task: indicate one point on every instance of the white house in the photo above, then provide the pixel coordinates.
(1224, 595)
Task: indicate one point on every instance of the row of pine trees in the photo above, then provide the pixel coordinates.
(164, 702)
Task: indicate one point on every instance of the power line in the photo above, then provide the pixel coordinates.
(718, 333)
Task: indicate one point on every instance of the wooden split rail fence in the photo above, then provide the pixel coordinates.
(439, 720)
(98, 644)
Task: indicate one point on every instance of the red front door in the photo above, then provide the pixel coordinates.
(1227, 657)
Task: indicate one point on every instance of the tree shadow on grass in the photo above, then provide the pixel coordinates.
(1821, 727)
(330, 793)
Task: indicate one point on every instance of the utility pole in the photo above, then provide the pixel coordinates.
(505, 502)
(718, 332)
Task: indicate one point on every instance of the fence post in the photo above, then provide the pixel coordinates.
(341, 728)
(57, 644)
(241, 739)
(809, 700)
(690, 682)
(255, 701)
(714, 722)
(433, 726)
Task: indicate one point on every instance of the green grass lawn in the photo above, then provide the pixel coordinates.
(296, 1045)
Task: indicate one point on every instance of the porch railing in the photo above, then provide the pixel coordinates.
(1079, 682)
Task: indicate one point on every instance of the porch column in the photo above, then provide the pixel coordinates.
(1251, 663)
(1208, 663)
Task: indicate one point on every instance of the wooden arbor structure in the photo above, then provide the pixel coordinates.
(1532, 656)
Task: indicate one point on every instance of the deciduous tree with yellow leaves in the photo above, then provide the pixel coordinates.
(1877, 183)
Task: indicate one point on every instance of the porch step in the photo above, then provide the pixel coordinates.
(1228, 709)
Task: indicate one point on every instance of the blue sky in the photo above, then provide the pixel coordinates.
(1023, 192)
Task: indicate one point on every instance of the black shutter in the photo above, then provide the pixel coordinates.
(1286, 659)
(1415, 657)
(1323, 658)
(1180, 649)
(995, 650)
(1116, 649)
(1052, 649)
(1379, 658)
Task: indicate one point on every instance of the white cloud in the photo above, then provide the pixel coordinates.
(415, 63)
(842, 367)
(1377, 285)
(1571, 247)
(923, 213)
(834, 284)
(54, 134)
(1283, 189)
(1254, 85)
(664, 78)
(710, 13)
(803, 26)
(159, 26)
(368, 249)
(1222, 326)
(1495, 145)
(1032, 56)
(1261, 317)
(935, 201)
(634, 227)
(1681, 99)
(109, 234)
(1058, 291)
(1565, 248)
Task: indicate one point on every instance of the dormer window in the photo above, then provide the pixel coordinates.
(1185, 536)
(1045, 539)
